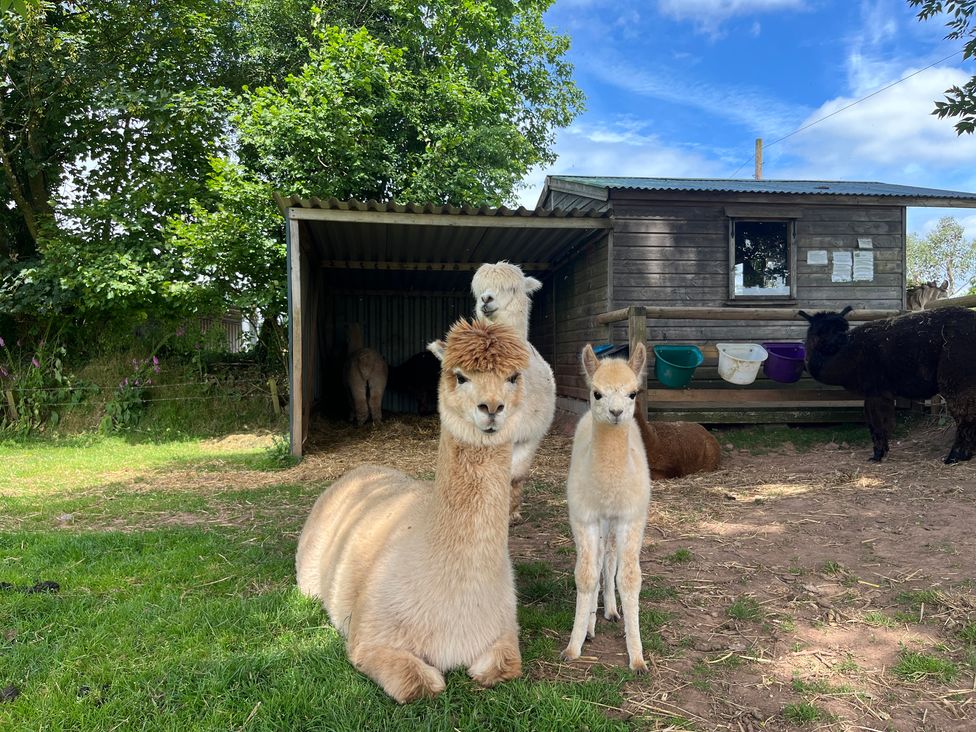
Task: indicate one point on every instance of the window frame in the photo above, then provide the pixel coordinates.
(791, 253)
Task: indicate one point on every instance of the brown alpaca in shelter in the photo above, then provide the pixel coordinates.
(417, 575)
(677, 449)
(365, 374)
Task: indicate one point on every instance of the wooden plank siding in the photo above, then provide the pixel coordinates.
(672, 252)
(563, 316)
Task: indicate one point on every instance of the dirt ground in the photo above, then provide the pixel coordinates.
(838, 567)
(787, 586)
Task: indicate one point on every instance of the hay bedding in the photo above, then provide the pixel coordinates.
(763, 527)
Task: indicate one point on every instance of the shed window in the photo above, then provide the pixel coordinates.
(762, 256)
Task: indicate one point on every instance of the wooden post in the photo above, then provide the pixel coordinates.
(637, 333)
(295, 404)
(12, 405)
(275, 402)
(758, 158)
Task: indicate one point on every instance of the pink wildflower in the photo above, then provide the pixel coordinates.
(35, 363)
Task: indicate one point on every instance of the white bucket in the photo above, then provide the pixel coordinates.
(738, 363)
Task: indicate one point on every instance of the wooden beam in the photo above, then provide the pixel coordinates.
(295, 337)
(963, 301)
(637, 333)
(732, 313)
(733, 397)
(422, 266)
(469, 220)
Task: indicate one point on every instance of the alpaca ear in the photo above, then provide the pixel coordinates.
(944, 286)
(846, 310)
(590, 362)
(804, 316)
(638, 359)
(532, 285)
(437, 348)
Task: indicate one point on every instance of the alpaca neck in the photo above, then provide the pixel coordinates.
(517, 321)
(611, 442)
(469, 522)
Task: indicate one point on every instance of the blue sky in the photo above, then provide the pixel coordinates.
(683, 87)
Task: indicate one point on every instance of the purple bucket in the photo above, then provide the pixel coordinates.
(785, 362)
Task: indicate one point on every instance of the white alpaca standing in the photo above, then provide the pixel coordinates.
(365, 372)
(501, 294)
(608, 490)
(415, 575)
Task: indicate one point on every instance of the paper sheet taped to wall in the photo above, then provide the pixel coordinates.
(864, 266)
(843, 266)
(817, 256)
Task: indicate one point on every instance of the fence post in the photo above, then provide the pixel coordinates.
(275, 403)
(11, 404)
(637, 333)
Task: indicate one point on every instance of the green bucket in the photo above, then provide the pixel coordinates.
(675, 365)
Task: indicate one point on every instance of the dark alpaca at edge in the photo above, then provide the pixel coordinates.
(915, 356)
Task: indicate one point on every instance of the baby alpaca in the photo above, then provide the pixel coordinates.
(501, 295)
(415, 575)
(608, 490)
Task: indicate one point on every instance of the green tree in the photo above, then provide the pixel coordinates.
(447, 102)
(944, 254)
(960, 102)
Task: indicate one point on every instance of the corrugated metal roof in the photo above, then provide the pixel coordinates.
(748, 185)
(334, 204)
(374, 246)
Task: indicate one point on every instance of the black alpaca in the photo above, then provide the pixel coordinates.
(915, 356)
(418, 376)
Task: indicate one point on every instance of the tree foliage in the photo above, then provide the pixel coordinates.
(140, 140)
(449, 102)
(944, 254)
(960, 101)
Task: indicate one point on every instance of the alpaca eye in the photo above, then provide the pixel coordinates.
(633, 395)
(597, 395)
(513, 379)
(461, 379)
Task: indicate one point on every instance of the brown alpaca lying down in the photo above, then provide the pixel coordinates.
(676, 449)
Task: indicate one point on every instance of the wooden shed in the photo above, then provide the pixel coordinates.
(710, 261)
(662, 260)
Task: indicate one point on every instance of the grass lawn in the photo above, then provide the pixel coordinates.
(177, 607)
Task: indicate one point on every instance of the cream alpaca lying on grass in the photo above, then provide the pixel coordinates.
(415, 575)
(501, 295)
(608, 490)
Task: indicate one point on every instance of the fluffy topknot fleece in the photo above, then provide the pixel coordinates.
(484, 347)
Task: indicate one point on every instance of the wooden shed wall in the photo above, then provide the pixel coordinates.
(563, 314)
(668, 253)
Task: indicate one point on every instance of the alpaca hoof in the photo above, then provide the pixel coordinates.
(955, 455)
(638, 666)
(569, 655)
(515, 518)
(874, 459)
(504, 668)
(613, 617)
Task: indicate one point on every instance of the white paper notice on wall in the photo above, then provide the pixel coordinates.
(864, 266)
(843, 264)
(817, 256)
(865, 243)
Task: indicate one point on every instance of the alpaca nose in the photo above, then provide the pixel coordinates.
(486, 299)
(493, 409)
(616, 412)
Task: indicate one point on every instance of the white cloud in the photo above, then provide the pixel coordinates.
(622, 148)
(753, 109)
(892, 136)
(709, 15)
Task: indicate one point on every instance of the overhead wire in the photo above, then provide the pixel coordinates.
(848, 106)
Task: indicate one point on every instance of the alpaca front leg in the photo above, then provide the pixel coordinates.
(880, 413)
(357, 388)
(630, 539)
(587, 586)
(610, 577)
(965, 444)
(399, 673)
(501, 662)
